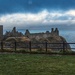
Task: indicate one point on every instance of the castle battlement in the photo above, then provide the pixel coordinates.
(55, 32)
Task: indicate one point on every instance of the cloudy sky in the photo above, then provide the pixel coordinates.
(37, 14)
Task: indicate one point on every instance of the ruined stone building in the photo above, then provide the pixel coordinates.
(13, 33)
(42, 35)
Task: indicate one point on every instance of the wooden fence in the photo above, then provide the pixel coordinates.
(6, 47)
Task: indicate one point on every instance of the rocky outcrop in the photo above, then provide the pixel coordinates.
(55, 43)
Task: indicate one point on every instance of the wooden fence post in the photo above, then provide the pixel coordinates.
(15, 46)
(2, 45)
(63, 47)
(46, 46)
(30, 46)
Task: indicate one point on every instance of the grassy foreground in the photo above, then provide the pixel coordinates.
(35, 64)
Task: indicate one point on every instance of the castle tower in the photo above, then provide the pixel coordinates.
(1, 32)
(14, 32)
(57, 31)
(27, 33)
(52, 29)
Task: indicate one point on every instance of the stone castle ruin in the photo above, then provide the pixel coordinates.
(15, 33)
(49, 37)
(42, 35)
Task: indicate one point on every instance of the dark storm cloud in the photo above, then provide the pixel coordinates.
(12, 6)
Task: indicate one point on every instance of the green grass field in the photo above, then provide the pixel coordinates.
(36, 64)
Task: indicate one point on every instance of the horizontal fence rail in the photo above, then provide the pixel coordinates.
(29, 47)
